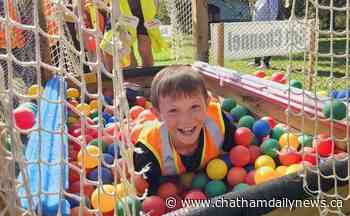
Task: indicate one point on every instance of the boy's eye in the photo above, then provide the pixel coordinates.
(196, 107)
(172, 111)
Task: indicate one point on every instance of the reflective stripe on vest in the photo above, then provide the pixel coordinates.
(169, 167)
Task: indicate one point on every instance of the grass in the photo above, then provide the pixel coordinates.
(326, 66)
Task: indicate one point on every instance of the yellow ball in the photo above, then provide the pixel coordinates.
(148, 105)
(91, 157)
(186, 179)
(322, 93)
(121, 190)
(264, 174)
(293, 140)
(281, 171)
(104, 198)
(264, 160)
(294, 168)
(34, 90)
(216, 169)
(84, 108)
(93, 104)
(267, 77)
(73, 93)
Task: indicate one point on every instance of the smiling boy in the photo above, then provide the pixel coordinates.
(192, 129)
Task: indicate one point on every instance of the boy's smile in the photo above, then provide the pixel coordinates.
(184, 117)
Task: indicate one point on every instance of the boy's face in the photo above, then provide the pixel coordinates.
(184, 116)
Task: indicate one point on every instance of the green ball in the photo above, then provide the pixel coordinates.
(338, 111)
(133, 204)
(270, 147)
(305, 140)
(215, 188)
(94, 115)
(246, 121)
(240, 187)
(199, 181)
(96, 142)
(296, 84)
(228, 104)
(238, 112)
(277, 132)
(95, 120)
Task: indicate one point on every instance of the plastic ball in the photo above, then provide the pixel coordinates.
(199, 181)
(88, 188)
(75, 211)
(270, 147)
(146, 115)
(186, 179)
(294, 168)
(84, 109)
(289, 139)
(277, 132)
(269, 120)
(238, 112)
(305, 140)
(140, 101)
(239, 155)
(249, 179)
(106, 175)
(93, 104)
(108, 99)
(289, 156)
(264, 160)
(261, 128)
(278, 77)
(73, 93)
(98, 143)
(236, 175)
(228, 104)
(31, 106)
(135, 111)
(240, 187)
(335, 110)
(226, 158)
(322, 93)
(121, 190)
(333, 94)
(111, 149)
(91, 44)
(246, 121)
(216, 169)
(260, 73)
(309, 155)
(296, 84)
(324, 147)
(215, 188)
(106, 116)
(243, 136)
(104, 198)
(73, 201)
(195, 195)
(281, 171)
(90, 158)
(24, 118)
(153, 206)
(264, 174)
(107, 159)
(140, 184)
(34, 90)
(73, 172)
(343, 95)
(133, 204)
(167, 189)
(254, 152)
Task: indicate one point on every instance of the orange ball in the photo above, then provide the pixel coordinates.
(146, 115)
(91, 157)
(135, 111)
(104, 198)
(73, 93)
(289, 139)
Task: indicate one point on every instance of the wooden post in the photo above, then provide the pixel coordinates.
(219, 44)
(312, 48)
(200, 29)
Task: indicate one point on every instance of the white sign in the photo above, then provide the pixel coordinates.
(256, 39)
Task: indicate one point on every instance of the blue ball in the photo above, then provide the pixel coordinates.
(249, 167)
(106, 116)
(112, 119)
(261, 128)
(73, 202)
(343, 95)
(226, 159)
(333, 94)
(110, 150)
(108, 158)
(106, 175)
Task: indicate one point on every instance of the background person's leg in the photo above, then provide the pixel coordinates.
(266, 61)
(145, 50)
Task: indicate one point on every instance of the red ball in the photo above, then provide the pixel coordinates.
(270, 120)
(239, 156)
(289, 156)
(249, 179)
(243, 136)
(154, 206)
(309, 155)
(141, 101)
(108, 139)
(74, 175)
(135, 111)
(277, 77)
(167, 189)
(195, 195)
(112, 130)
(75, 211)
(324, 147)
(87, 188)
(91, 44)
(236, 175)
(24, 118)
(72, 154)
(92, 132)
(260, 73)
(254, 152)
(283, 80)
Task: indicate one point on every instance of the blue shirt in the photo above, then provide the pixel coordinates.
(266, 10)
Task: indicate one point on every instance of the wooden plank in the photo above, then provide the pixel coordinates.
(219, 46)
(200, 29)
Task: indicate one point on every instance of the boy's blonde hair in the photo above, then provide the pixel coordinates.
(177, 80)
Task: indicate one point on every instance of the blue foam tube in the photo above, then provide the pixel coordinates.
(54, 148)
